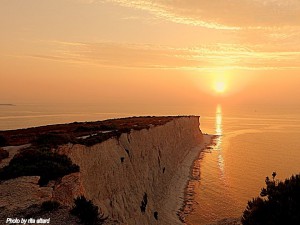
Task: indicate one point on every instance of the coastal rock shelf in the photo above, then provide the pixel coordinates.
(139, 176)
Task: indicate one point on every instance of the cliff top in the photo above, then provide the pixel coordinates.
(87, 133)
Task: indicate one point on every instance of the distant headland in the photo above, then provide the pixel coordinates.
(7, 105)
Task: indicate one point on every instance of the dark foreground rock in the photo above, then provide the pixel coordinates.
(228, 221)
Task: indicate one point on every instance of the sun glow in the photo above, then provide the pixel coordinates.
(220, 87)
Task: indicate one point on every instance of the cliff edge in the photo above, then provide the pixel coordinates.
(131, 178)
(136, 177)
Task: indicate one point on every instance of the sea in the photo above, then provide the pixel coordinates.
(252, 142)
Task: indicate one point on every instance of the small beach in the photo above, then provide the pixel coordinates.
(176, 199)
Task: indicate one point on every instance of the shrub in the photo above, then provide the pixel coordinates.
(50, 206)
(278, 204)
(52, 140)
(107, 127)
(95, 128)
(95, 139)
(3, 154)
(31, 162)
(85, 129)
(87, 212)
(3, 141)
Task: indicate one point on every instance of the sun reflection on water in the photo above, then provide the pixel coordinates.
(219, 127)
(219, 132)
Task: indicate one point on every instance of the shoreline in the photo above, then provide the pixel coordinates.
(176, 198)
(189, 193)
(194, 177)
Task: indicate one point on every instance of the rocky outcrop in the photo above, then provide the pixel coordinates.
(131, 178)
(228, 221)
(22, 192)
(67, 189)
(18, 196)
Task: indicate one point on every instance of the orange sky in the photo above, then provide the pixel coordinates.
(117, 52)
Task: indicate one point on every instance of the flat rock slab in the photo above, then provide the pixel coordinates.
(22, 192)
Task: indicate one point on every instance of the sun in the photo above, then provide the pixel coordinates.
(220, 87)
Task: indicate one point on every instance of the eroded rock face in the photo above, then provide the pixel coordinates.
(67, 189)
(117, 173)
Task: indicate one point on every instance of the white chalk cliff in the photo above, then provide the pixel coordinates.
(136, 179)
(146, 168)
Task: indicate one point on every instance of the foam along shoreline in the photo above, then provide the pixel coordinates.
(178, 185)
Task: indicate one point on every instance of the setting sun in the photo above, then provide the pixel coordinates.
(220, 87)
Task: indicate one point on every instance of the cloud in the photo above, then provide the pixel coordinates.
(225, 14)
(209, 57)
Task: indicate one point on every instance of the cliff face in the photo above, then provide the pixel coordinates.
(131, 178)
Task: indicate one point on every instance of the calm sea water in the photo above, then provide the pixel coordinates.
(23, 116)
(254, 141)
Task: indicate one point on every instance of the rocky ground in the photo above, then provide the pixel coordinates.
(228, 221)
(57, 217)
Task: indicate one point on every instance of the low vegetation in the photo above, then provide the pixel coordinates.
(87, 212)
(50, 206)
(101, 137)
(70, 133)
(3, 154)
(94, 128)
(34, 162)
(3, 141)
(52, 140)
(278, 204)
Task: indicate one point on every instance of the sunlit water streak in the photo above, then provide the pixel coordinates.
(219, 132)
(249, 147)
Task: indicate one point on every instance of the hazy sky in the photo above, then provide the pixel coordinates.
(117, 52)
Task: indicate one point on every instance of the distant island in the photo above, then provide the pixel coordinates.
(7, 105)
